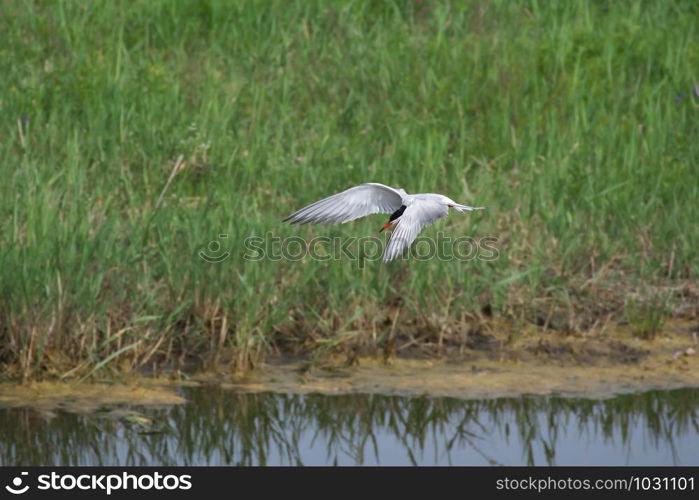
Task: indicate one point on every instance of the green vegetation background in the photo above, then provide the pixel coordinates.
(574, 123)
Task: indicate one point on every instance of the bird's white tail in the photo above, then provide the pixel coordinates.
(461, 208)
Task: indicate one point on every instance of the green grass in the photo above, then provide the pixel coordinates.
(574, 123)
(648, 316)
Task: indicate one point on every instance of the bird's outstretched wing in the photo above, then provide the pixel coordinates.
(356, 202)
(418, 215)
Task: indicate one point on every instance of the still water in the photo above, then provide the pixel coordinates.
(222, 427)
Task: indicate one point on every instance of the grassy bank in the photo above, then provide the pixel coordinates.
(135, 133)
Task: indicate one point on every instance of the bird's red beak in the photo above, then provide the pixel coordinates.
(386, 226)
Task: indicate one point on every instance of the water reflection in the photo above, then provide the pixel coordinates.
(221, 427)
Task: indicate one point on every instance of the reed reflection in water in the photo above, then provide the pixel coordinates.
(221, 427)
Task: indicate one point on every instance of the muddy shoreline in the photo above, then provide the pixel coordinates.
(488, 366)
(491, 366)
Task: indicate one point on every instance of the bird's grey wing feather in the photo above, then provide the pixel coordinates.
(417, 216)
(351, 204)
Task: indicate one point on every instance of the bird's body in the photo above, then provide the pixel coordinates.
(410, 213)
